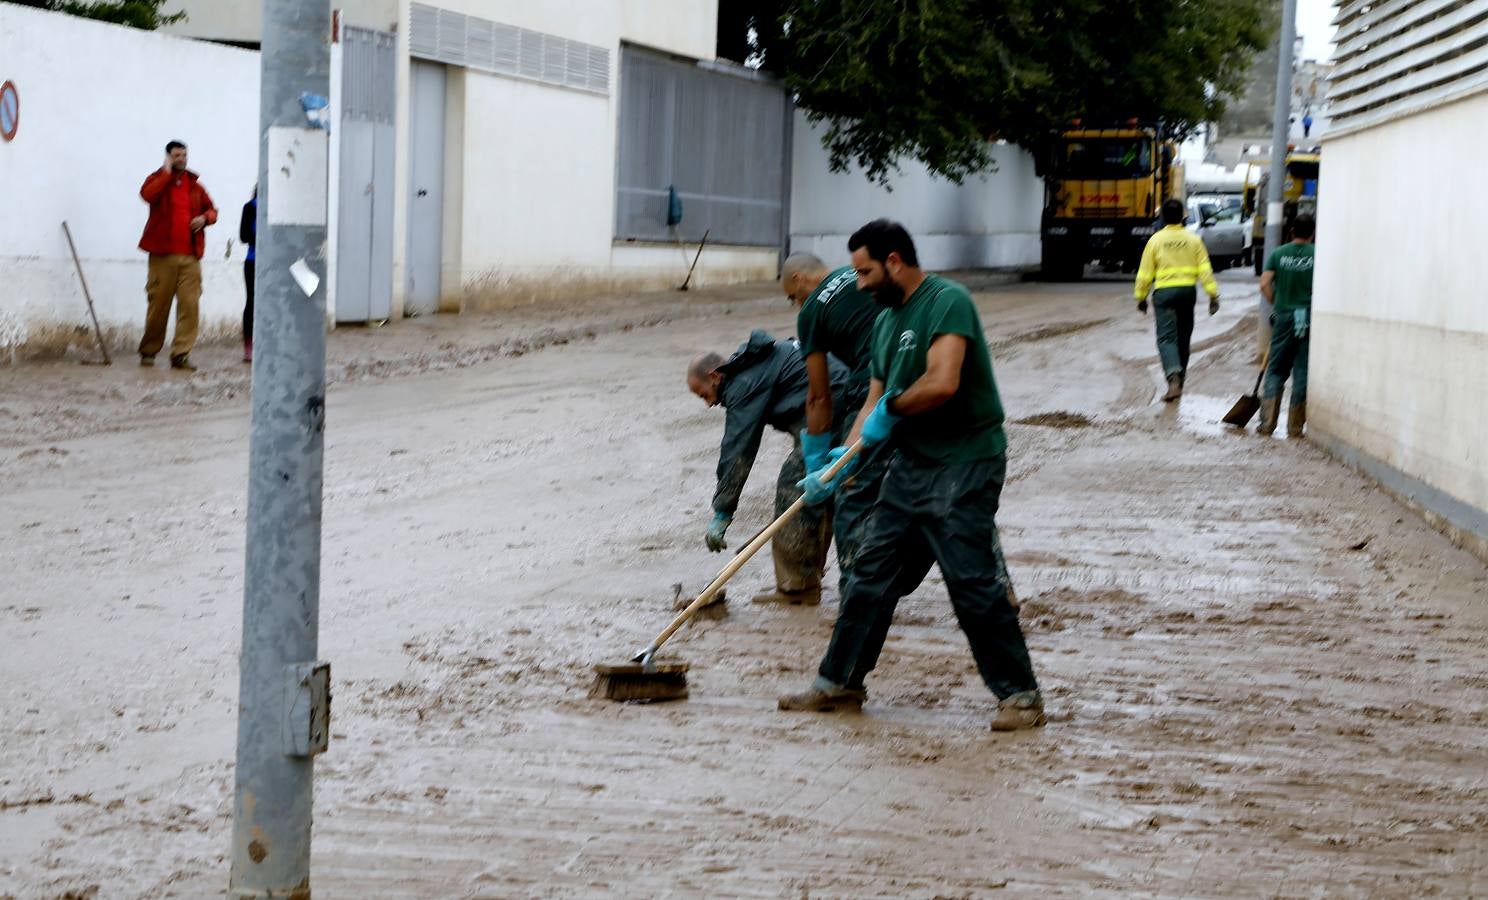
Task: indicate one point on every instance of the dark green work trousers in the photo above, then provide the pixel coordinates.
(928, 514)
(1173, 308)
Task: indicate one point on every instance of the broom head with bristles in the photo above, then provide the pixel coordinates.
(634, 682)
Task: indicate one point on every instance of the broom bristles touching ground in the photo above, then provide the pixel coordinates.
(633, 683)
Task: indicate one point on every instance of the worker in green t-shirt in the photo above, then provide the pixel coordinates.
(933, 399)
(835, 320)
(1287, 284)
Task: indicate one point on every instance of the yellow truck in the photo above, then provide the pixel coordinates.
(1103, 190)
(1299, 195)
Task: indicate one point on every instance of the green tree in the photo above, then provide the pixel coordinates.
(934, 79)
(144, 14)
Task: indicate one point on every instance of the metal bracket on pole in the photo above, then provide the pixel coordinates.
(307, 723)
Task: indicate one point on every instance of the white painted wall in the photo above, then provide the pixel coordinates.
(241, 21)
(98, 103)
(539, 176)
(530, 169)
(1400, 344)
(530, 197)
(992, 220)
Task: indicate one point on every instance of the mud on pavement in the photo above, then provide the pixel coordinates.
(1264, 677)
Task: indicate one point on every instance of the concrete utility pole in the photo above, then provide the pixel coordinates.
(284, 693)
(1280, 137)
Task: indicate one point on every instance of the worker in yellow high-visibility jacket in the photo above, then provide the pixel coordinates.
(1173, 261)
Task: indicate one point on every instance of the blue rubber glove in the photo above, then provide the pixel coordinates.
(716, 530)
(815, 447)
(817, 491)
(880, 423)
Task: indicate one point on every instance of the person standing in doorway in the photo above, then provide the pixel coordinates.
(175, 238)
(1287, 283)
(248, 234)
(1173, 262)
(1307, 124)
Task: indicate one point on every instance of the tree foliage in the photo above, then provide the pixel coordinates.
(144, 14)
(934, 79)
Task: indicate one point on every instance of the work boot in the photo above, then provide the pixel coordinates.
(1296, 419)
(810, 597)
(147, 362)
(1020, 711)
(1175, 388)
(183, 362)
(820, 698)
(1270, 412)
(247, 351)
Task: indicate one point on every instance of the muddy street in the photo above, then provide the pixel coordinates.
(1263, 675)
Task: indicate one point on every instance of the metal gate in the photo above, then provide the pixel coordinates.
(717, 135)
(425, 188)
(364, 243)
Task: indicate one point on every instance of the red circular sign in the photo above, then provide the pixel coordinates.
(10, 111)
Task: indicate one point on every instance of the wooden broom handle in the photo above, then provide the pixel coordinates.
(749, 550)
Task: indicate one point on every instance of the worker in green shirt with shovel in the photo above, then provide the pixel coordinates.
(1287, 283)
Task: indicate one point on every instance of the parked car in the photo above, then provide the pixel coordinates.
(1220, 222)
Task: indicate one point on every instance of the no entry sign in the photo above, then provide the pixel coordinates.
(10, 111)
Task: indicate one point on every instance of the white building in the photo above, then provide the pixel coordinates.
(1400, 342)
(483, 153)
(497, 173)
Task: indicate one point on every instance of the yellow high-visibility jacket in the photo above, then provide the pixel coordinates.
(1175, 257)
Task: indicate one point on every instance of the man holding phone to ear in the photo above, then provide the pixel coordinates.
(175, 237)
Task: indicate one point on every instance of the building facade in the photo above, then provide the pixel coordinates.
(1400, 340)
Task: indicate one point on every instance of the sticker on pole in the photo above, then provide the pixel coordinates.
(10, 111)
(297, 176)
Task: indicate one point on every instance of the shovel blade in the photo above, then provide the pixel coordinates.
(1243, 411)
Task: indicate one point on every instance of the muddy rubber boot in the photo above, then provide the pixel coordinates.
(1020, 711)
(147, 362)
(789, 598)
(1175, 388)
(1296, 419)
(1270, 412)
(182, 362)
(247, 351)
(820, 699)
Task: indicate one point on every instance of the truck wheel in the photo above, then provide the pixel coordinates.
(1060, 267)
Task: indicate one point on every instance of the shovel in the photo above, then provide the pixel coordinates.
(1245, 408)
(643, 679)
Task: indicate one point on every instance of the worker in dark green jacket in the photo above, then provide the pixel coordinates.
(835, 322)
(764, 384)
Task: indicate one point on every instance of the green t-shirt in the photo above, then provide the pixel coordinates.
(1292, 264)
(838, 319)
(968, 426)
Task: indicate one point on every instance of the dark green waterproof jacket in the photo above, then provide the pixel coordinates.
(764, 383)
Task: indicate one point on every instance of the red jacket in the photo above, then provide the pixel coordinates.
(156, 192)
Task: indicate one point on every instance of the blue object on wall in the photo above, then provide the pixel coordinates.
(674, 206)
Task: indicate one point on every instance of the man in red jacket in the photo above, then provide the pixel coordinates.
(175, 237)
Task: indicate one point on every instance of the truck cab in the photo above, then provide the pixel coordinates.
(1299, 195)
(1103, 191)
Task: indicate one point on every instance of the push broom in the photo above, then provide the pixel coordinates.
(643, 679)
